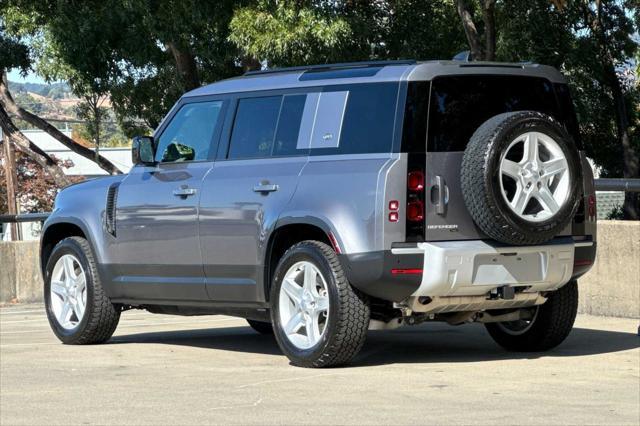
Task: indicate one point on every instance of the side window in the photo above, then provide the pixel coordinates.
(350, 120)
(254, 127)
(288, 132)
(189, 135)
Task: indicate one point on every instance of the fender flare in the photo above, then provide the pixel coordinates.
(56, 220)
(323, 224)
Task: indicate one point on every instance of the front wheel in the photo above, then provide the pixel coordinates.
(319, 320)
(549, 325)
(78, 309)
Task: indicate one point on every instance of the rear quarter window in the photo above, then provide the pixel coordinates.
(367, 122)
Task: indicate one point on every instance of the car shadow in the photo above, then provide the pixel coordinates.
(427, 343)
(435, 343)
(237, 339)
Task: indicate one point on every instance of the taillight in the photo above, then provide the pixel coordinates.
(415, 181)
(415, 200)
(415, 211)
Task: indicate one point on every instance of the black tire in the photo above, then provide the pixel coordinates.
(551, 324)
(348, 321)
(100, 316)
(261, 326)
(480, 174)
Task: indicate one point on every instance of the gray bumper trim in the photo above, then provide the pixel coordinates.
(473, 268)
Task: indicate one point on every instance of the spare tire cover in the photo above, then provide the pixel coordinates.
(521, 178)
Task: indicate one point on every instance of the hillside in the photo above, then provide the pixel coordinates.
(53, 91)
(57, 104)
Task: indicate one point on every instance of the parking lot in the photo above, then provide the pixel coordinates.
(186, 370)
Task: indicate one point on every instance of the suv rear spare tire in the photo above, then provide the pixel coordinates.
(521, 178)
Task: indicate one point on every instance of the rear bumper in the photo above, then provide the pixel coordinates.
(467, 268)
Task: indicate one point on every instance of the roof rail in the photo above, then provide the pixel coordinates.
(326, 67)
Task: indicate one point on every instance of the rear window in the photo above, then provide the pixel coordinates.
(460, 104)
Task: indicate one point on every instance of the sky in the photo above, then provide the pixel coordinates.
(14, 75)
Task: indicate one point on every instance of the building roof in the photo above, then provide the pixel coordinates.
(120, 157)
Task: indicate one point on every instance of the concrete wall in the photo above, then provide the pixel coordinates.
(20, 279)
(611, 288)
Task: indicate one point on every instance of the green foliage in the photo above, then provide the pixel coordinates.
(13, 52)
(286, 34)
(283, 33)
(616, 213)
(421, 30)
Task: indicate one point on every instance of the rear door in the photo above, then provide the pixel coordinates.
(253, 179)
(156, 246)
(458, 105)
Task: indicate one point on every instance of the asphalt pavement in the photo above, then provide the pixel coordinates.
(215, 370)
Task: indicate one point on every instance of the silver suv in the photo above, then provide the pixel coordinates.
(320, 202)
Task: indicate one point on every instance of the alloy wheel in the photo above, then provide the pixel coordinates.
(68, 291)
(303, 305)
(534, 177)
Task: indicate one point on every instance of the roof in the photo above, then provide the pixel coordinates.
(369, 72)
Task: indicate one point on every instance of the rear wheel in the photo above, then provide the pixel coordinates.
(549, 325)
(78, 309)
(261, 326)
(319, 319)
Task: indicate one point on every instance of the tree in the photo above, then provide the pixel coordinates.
(16, 54)
(145, 54)
(36, 189)
(296, 33)
(288, 33)
(90, 110)
(482, 48)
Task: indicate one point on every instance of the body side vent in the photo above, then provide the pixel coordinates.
(110, 209)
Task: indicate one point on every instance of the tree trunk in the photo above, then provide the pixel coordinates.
(470, 30)
(186, 65)
(489, 19)
(7, 102)
(24, 145)
(97, 123)
(11, 178)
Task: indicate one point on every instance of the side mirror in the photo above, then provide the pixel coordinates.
(143, 150)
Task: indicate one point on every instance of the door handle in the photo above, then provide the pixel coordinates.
(441, 196)
(184, 191)
(265, 187)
